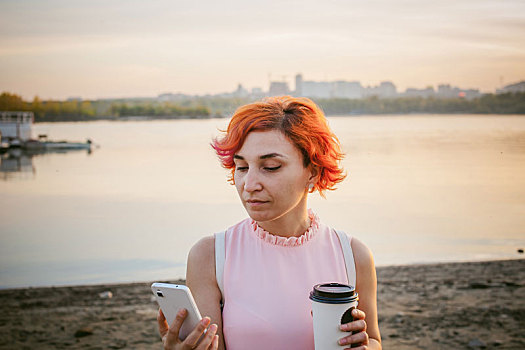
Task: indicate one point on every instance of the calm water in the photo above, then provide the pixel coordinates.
(419, 189)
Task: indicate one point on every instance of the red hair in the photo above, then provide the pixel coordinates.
(301, 121)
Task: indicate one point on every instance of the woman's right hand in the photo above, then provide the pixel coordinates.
(170, 335)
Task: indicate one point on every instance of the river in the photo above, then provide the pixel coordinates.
(420, 189)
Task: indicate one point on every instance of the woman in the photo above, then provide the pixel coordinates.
(278, 150)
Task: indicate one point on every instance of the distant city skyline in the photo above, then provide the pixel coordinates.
(347, 89)
(110, 49)
(329, 89)
(325, 89)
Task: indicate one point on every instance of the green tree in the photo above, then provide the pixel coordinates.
(87, 109)
(12, 102)
(38, 108)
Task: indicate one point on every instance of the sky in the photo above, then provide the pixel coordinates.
(128, 48)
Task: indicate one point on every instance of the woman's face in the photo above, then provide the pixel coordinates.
(270, 177)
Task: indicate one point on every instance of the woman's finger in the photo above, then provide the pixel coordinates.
(354, 326)
(360, 338)
(163, 325)
(215, 343)
(358, 314)
(207, 340)
(196, 333)
(173, 331)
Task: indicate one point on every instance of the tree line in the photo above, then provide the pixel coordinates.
(208, 106)
(164, 109)
(508, 103)
(78, 110)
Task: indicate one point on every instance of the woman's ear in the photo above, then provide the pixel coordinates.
(314, 174)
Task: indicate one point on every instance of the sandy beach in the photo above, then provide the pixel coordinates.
(476, 305)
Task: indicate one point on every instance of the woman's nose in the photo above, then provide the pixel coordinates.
(252, 181)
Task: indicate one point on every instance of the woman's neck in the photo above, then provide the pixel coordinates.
(291, 224)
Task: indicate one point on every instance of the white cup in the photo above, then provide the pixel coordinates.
(332, 305)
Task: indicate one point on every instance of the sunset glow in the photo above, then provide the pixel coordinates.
(96, 49)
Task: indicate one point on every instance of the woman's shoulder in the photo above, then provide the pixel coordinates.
(364, 262)
(200, 269)
(362, 254)
(205, 247)
(203, 251)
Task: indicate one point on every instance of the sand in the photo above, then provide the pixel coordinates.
(479, 305)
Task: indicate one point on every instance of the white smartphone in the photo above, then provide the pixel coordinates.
(172, 298)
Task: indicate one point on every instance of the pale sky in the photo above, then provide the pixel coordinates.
(128, 48)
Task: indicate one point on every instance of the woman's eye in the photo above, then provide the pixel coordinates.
(241, 168)
(272, 168)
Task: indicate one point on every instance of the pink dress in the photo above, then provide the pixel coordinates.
(267, 283)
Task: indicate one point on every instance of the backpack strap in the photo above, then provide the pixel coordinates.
(348, 256)
(220, 257)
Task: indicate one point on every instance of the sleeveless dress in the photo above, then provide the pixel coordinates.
(267, 283)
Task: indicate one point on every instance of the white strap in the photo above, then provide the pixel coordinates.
(348, 256)
(220, 252)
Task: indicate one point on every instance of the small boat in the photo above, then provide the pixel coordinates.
(56, 145)
(15, 133)
(14, 143)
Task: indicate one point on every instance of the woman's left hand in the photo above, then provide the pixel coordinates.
(359, 338)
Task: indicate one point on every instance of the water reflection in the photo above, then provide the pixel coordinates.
(420, 189)
(17, 163)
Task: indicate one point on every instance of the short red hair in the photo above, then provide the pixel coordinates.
(301, 121)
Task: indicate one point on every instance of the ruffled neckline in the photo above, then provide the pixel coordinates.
(288, 241)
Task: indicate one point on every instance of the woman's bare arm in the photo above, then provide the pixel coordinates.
(366, 286)
(200, 278)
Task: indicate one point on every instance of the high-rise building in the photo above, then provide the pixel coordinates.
(341, 89)
(278, 88)
(518, 87)
(412, 92)
(298, 85)
(387, 89)
(347, 89)
(319, 89)
(447, 91)
(241, 91)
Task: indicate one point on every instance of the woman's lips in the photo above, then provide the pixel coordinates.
(255, 202)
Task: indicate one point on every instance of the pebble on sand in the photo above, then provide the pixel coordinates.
(476, 344)
(83, 332)
(106, 295)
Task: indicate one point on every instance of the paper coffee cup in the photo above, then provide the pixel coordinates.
(332, 305)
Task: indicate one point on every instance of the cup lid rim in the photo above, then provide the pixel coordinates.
(328, 293)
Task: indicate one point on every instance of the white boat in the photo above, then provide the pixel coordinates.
(16, 130)
(56, 145)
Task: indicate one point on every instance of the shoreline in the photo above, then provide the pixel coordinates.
(378, 267)
(471, 305)
(227, 116)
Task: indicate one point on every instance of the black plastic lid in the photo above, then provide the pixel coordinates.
(333, 293)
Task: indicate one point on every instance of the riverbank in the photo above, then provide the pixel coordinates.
(203, 107)
(440, 306)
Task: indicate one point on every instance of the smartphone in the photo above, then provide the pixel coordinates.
(173, 297)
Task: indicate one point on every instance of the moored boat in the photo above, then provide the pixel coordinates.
(16, 130)
(56, 145)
